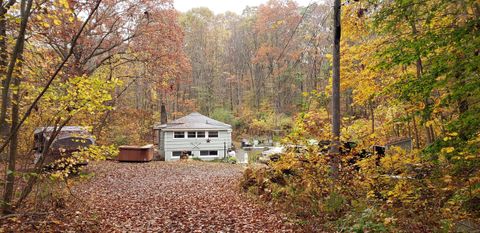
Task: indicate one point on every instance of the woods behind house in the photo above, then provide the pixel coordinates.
(408, 69)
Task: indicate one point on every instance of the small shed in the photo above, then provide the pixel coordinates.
(196, 135)
(68, 140)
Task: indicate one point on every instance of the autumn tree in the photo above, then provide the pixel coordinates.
(336, 79)
(66, 71)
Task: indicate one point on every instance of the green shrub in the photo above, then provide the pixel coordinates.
(223, 115)
(367, 220)
(232, 160)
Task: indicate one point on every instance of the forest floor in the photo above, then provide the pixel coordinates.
(164, 197)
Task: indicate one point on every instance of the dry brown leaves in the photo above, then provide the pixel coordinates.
(167, 197)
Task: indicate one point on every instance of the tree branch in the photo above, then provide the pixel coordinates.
(52, 78)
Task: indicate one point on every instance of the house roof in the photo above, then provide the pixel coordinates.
(194, 120)
(50, 129)
(66, 132)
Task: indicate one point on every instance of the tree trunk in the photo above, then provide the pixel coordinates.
(372, 116)
(428, 135)
(4, 7)
(163, 115)
(415, 129)
(432, 133)
(3, 65)
(336, 87)
(25, 7)
(409, 128)
(13, 152)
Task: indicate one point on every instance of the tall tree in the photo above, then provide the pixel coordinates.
(12, 73)
(336, 82)
(4, 8)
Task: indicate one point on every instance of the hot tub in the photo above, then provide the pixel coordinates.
(135, 153)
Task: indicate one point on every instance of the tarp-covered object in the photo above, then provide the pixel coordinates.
(68, 140)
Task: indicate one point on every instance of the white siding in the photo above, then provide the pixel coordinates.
(195, 145)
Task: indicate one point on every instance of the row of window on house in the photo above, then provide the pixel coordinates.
(202, 153)
(195, 134)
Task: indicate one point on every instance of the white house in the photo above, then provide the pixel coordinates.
(195, 134)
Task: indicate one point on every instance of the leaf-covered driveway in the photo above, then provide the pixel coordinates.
(172, 197)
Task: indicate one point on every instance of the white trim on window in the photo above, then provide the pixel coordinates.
(203, 133)
(213, 134)
(209, 153)
(191, 134)
(176, 154)
(178, 134)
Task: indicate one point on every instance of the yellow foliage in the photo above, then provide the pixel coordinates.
(448, 149)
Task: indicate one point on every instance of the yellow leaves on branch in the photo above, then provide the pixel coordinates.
(429, 123)
(64, 3)
(67, 165)
(57, 13)
(453, 134)
(329, 56)
(57, 22)
(450, 136)
(277, 24)
(82, 94)
(448, 150)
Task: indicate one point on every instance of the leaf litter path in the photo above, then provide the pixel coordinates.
(172, 197)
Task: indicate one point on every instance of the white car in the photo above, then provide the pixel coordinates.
(273, 150)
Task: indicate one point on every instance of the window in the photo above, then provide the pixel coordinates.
(208, 153)
(178, 134)
(213, 134)
(178, 153)
(192, 134)
(200, 134)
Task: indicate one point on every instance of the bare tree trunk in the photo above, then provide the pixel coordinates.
(231, 95)
(336, 78)
(409, 128)
(432, 133)
(428, 134)
(13, 152)
(372, 115)
(26, 5)
(3, 66)
(336, 88)
(163, 115)
(415, 129)
(239, 88)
